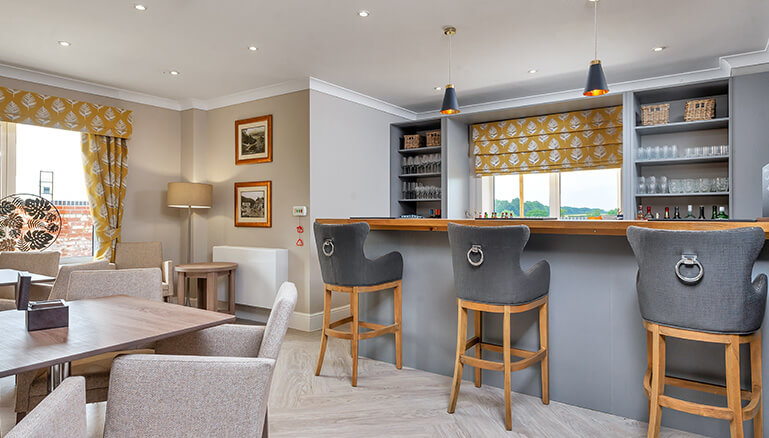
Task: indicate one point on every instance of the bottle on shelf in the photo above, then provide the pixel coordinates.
(657, 215)
(722, 213)
(667, 212)
(639, 215)
(689, 214)
(648, 213)
(620, 216)
(676, 214)
(714, 213)
(702, 212)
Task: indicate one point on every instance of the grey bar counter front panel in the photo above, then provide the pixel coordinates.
(597, 340)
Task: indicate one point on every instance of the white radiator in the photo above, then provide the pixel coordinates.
(260, 273)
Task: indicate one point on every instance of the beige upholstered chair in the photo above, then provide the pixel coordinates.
(152, 395)
(130, 255)
(61, 415)
(59, 288)
(44, 263)
(32, 386)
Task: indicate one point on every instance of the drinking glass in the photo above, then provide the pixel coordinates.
(641, 185)
(724, 149)
(689, 152)
(675, 186)
(715, 151)
(666, 151)
(703, 184)
(641, 153)
(651, 184)
(657, 152)
(689, 185)
(722, 184)
(674, 151)
(663, 184)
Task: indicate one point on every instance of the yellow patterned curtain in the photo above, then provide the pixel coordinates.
(576, 140)
(105, 160)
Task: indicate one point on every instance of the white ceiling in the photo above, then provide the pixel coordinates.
(397, 54)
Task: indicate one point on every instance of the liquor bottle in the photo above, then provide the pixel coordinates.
(648, 213)
(667, 212)
(714, 213)
(493, 214)
(702, 212)
(620, 216)
(689, 214)
(640, 213)
(722, 213)
(657, 215)
(676, 214)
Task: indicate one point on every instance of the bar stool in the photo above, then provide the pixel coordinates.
(488, 278)
(346, 269)
(696, 285)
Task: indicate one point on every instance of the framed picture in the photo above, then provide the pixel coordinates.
(253, 204)
(253, 140)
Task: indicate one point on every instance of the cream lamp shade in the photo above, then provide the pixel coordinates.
(189, 195)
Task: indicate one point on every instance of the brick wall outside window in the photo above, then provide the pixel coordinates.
(76, 237)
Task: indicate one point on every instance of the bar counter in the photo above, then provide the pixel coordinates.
(597, 340)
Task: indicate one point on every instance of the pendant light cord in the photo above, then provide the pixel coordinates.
(595, 30)
(450, 59)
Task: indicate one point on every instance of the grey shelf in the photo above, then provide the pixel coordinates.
(679, 195)
(420, 175)
(422, 150)
(420, 200)
(683, 160)
(697, 125)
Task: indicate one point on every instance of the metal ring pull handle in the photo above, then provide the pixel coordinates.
(689, 260)
(326, 244)
(475, 249)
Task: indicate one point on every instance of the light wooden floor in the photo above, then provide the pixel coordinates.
(389, 402)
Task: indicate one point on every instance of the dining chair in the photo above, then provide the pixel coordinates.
(61, 414)
(32, 386)
(232, 365)
(43, 263)
(131, 255)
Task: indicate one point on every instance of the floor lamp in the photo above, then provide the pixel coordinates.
(189, 196)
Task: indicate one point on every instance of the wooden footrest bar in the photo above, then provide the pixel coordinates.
(532, 357)
(376, 329)
(696, 408)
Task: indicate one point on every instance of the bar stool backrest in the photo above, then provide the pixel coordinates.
(487, 265)
(700, 280)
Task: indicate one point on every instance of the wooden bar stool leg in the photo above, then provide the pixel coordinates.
(355, 329)
(398, 316)
(326, 323)
(648, 375)
(508, 369)
(478, 320)
(733, 398)
(658, 381)
(543, 345)
(756, 383)
(461, 340)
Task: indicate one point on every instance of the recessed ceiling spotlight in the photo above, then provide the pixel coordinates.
(533, 70)
(64, 43)
(659, 48)
(438, 88)
(140, 7)
(174, 73)
(253, 48)
(363, 13)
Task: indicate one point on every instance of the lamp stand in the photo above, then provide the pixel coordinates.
(189, 251)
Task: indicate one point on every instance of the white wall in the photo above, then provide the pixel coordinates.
(349, 168)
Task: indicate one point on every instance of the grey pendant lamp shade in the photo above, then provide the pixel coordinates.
(450, 104)
(596, 81)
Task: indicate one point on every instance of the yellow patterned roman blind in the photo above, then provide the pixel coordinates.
(576, 140)
(30, 108)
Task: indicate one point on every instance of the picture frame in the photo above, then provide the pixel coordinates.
(253, 204)
(253, 140)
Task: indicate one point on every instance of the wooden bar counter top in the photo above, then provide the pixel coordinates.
(578, 227)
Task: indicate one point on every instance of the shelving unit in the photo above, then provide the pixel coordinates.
(418, 151)
(716, 131)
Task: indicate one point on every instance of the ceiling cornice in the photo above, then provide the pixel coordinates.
(354, 96)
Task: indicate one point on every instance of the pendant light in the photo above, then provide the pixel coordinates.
(596, 81)
(450, 104)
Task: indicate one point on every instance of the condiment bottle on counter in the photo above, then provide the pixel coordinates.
(714, 213)
(667, 212)
(722, 213)
(648, 213)
(676, 214)
(640, 213)
(702, 212)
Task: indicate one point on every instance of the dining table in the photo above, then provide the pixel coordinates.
(96, 326)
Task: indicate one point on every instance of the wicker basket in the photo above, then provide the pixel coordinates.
(700, 109)
(413, 141)
(433, 138)
(655, 114)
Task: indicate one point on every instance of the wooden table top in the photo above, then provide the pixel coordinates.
(9, 277)
(579, 227)
(96, 326)
(206, 267)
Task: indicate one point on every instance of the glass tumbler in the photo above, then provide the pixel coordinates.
(722, 184)
(651, 184)
(689, 185)
(663, 184)
(641, 185)
(703, 185)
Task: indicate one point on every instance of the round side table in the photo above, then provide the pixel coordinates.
(209, 273)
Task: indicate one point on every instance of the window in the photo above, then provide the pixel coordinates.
(48, 162)
(578, 194)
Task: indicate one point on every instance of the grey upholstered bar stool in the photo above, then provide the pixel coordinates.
(696, 285)
(488, 278)
(346, 269)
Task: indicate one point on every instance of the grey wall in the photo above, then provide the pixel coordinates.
(349, 169)
(750, 142)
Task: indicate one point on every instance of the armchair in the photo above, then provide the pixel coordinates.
(61, 414)
(131, 255)
(44, 263)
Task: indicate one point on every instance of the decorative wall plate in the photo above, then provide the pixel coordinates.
(28, 223)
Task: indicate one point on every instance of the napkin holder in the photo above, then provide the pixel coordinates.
(44, 315)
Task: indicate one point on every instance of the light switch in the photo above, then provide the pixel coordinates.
(299, 210)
